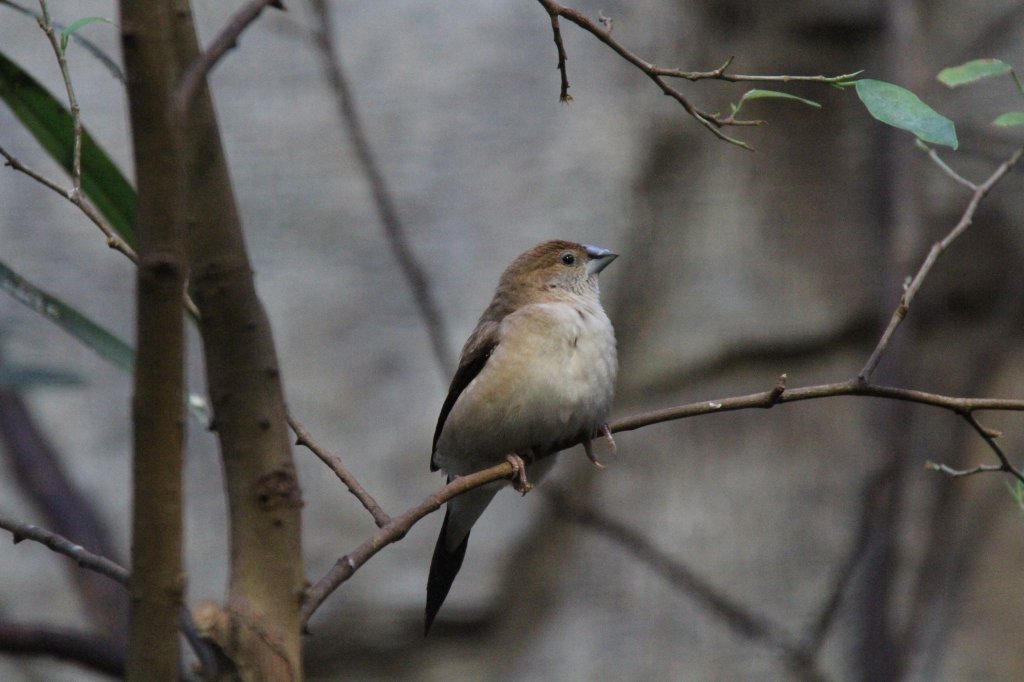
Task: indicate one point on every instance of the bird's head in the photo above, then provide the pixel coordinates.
(556, 268)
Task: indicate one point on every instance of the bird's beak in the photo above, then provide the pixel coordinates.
(599, 259)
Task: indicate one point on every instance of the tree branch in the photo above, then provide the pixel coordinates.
(303, 437)
(713, 122)
(114, 240)
(61, 545)
(397, 528)
(980, 192)
(195, 75)
(395, 232)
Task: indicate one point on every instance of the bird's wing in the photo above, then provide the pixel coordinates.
(475, 354)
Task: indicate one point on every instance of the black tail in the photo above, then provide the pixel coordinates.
(443, 568)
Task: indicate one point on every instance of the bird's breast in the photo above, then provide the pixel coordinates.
(549, 381)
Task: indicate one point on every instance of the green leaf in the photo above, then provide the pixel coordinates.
(1009, 119)
(972, 71)
(76, 25)
(47, 119)
(769, 94)
(108, 346)
(901, 108)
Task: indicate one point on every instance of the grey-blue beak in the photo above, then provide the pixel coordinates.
(599, 259)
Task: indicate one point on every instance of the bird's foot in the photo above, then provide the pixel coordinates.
(519, 480)
(590, 454)
(608, 437)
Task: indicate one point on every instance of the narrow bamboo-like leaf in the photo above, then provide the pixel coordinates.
(68, 31)
(108, 346)
(47, 119)
(30, 376)
(1009, 119)
(901, 108)
(972, 71)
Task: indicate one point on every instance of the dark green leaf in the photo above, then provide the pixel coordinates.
(108, 346)
(972, 71)
(901, 108)
(47, 119)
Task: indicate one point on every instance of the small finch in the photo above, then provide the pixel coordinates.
(536, 376)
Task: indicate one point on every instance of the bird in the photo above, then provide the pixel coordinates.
(536, 376)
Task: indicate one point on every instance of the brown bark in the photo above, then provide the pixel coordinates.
(259, 628)
(157, 583)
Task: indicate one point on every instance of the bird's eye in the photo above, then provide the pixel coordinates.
(568, 258)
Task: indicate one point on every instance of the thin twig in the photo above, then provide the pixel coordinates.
(556, 31)
(114, 240)
(937, 250)
(713, 122)
(76, 119)
(944, 167)
(394, 531)
(225, 40)
(61, 545)
(303, 437)
(710, 121)
(415, 274)
(958, 473)
(104, 566)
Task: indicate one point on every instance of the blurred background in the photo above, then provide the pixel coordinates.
(804, 542)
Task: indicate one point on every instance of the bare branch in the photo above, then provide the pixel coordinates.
(933, 255)
(114, 241)
(713, 122)
(394, 531)
(104, 566)
(710, 121)
(556, 30)
(225, 40)
(303, 437)
(944, 167)
(61, 545)
(387, 211)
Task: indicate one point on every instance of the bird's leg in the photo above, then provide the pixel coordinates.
(590, 454)
(608, 437)
(519, 481)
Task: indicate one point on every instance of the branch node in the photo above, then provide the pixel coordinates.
(777, 390)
